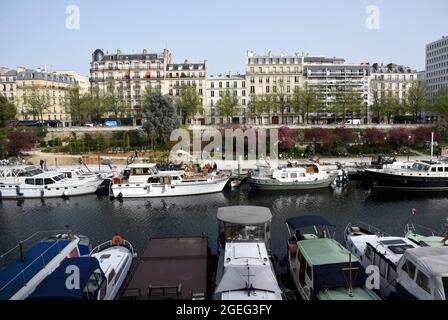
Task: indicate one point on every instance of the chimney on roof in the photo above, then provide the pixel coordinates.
(145, 51)
(186, 61)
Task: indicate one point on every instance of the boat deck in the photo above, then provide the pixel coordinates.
(170, 268)
(18, 273)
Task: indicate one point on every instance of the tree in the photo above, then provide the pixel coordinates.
(416, 100)
(37, 104)
(189, 102)
(304, 100)
(161, 117)
(390, 105)
(95, 105)
(75, 105)
(440, 103)
(255, 106)
(281, 100)
(228, 105)
(18, 140)
(115, 103)
(347, 101)
(262, 104)
(7, 111)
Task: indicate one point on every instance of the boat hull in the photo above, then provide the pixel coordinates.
(418, 182)
(153, 191)
(272, 184)
(32, 191)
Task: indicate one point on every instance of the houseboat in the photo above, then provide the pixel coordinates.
(421, 176)
(302, 177)
(320, 267)
(245, 269)
(171, 269)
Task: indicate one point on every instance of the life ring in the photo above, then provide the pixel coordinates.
(117, 240)
(117, 180)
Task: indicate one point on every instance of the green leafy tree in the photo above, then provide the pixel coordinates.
(347, 101)
(75, 105)
(7, 111)
(304, 101)
(189, 102)
(416, 100)
(440, 103)
(228, 105)
(37, 104)
(115, 103)
(160, 117)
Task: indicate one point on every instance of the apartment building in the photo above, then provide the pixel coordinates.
(330, 76)
(179, 76)
(216, 88)
(272, 74)
(22, 84)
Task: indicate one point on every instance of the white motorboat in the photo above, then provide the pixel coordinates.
(47, 185)
(146, 181)
(17, 174)
(375, 248)
(302, 177)
(102, 274)
(29, 263)
(423, 274)
(245, 269)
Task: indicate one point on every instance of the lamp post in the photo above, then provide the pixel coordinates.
(409, 146)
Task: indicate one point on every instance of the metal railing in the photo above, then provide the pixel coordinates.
(370, 228)
(20, 279)
(416, 228)
(109, 244)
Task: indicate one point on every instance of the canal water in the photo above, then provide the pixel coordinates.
(137, 220)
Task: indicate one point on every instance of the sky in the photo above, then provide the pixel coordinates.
(38, 33)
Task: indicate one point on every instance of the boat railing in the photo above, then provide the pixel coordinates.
(15, 252)
(109, 244)
(372, 229)
(416, 228)
(21, 278)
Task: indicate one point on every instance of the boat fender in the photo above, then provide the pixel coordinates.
(307, 291)
(42, 193)
(18, 190)
(120, 195)
(65, 193)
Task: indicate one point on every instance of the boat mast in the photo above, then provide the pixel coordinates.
(432, 144)
(350, 275)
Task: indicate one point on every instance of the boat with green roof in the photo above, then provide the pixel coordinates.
(426, 237)
(320, 267)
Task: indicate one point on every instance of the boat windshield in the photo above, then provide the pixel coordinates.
(143, 171)
(420, 167)
(235, 232)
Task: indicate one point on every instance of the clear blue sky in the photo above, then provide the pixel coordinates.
(33, 32)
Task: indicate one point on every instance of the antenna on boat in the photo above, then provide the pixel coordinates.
(432, 145)
(350, 275)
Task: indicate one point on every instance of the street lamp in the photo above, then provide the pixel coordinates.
(409, 146)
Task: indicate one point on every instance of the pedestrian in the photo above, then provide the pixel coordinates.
(41, 162)
(215, 167)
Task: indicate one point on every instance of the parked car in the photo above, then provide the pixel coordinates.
(353, 121)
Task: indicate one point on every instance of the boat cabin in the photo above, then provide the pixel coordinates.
(92, 281)
(19, 171)
(244, 224)
(423, 274)
(45, 178)
(430, 167)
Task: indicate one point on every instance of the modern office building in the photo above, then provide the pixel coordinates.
(437, 65)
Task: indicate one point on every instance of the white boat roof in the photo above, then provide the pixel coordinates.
(247, 215)
(46, 174)
(432, 260)
(141, 165)
(111, 258)
(170, 173)
(241, 259)
(382, 245)
(296, 169)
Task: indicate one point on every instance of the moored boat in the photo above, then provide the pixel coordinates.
(146, 181)
(302, 177)
(320, 267)
(424, 236)
(101, 275)
(29, 263)
(171, 269)
(376, 248)
(421, 176)
(245, 269)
